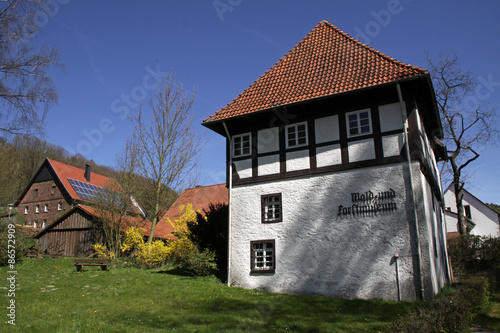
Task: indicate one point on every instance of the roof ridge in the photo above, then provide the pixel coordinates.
(325, 62)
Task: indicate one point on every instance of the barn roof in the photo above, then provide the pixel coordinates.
(200, 197)
(326, 62)
(66, 172)
(92, 212)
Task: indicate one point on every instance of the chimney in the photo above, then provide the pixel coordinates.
(87, 172)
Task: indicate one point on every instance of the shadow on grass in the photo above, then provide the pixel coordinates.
(176, 271)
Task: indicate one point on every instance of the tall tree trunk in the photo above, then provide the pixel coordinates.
(457, 184)
(157, 212)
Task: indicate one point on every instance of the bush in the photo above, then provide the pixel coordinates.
(210, 232)
(103, 252)
(199, 263)
(151, 255)
(453, 312)
(472, 255)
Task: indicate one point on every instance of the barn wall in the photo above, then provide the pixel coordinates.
(73, 236)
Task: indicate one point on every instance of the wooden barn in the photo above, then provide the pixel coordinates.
(72, 235)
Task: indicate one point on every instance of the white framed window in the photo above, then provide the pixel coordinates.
(263, 256)
(359, 123)
(271, 208)
(46, 208)
(59, 206)
(26, 210)
(35, 224)
(37, 209)
(242, 144)
(44, 224)
(296, 135)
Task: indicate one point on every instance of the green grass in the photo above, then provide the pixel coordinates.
(52, 297)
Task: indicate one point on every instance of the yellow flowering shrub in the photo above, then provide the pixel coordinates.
(180, 225)
(133, 238)
(150, 255)
(182, 246)
(103, 252)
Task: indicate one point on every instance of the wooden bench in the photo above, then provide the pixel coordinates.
(79, 263)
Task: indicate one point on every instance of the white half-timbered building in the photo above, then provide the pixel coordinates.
(325, 196)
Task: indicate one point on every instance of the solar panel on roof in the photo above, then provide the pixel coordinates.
(95, 193)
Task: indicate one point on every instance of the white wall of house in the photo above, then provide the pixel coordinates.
(485, 219)
(322, 249)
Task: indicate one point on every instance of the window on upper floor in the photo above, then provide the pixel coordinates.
(59, 206)
(26, 210)
(37, 209)
(35, 193)
(241, 144)
(53, 189)
(467, 211)
(46, 208)
(263, 256)
(271, 208)
(296, 135)
(35, 224)
(44, 224)
(358, 123)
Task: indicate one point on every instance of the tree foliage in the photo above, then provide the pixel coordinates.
(210, 232)
(469, 123)
(26, 90)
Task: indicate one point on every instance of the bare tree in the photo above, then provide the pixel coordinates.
(469, 123)
(114, 204)
(169, 145)
(26, 91)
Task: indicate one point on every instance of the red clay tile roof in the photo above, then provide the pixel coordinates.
(327, 61)
(200, 197)
(128, 221)
(65, 171)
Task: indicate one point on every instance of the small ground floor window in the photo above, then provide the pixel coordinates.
(263, 256)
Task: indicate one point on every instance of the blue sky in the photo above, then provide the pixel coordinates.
(114, 52)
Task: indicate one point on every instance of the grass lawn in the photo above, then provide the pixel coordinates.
(52, 297)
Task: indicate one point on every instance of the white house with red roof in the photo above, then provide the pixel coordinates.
(481, 220)
(333, 183)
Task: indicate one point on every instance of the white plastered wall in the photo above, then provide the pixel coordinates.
(320, 252)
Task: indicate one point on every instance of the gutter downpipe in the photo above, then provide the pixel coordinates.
(229, 204)
(412, 194)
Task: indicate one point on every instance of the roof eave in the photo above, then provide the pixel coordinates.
(212, 125)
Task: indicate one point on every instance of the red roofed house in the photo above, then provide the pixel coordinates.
(56, 202)
(325, 197)
(200, 197)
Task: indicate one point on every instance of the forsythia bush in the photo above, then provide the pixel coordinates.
(150, 255)
(180, 251)
(133, 238)
(184, 251)
(103, 252)
(182, 246)
(146, 255)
